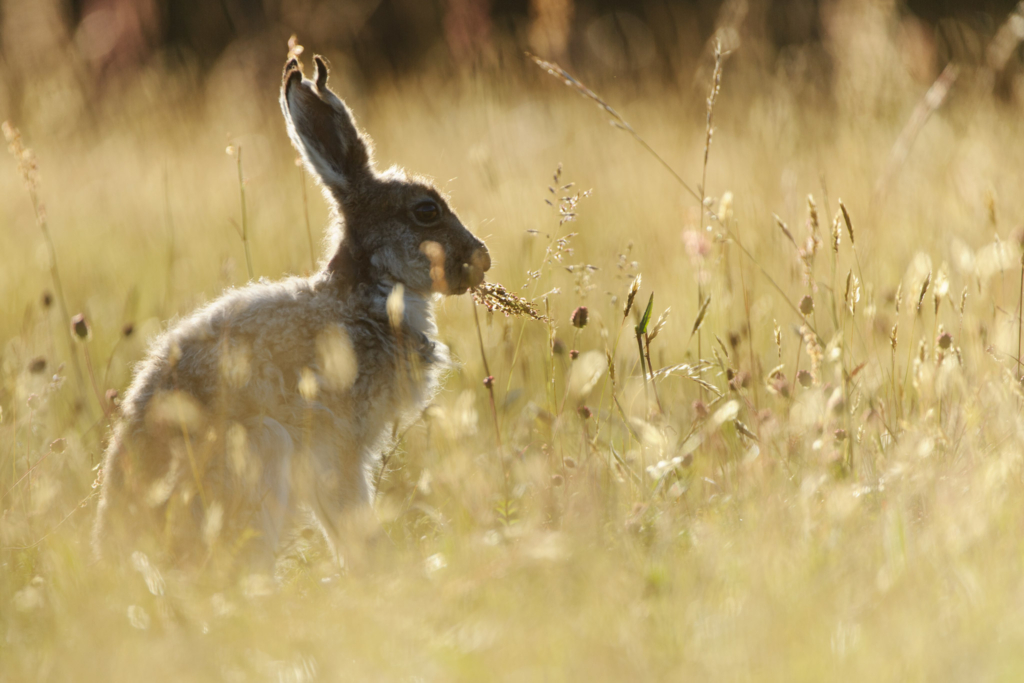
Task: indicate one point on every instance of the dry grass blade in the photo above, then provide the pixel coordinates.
(709, 129)
(700, 315)
(1010, 34)
(496, 298)
(571, 81)
(932, 100)
(707, 385)
(745, 430)
(785, 229)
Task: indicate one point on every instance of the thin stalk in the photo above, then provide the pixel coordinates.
(1020, 309)
(650, 369)
(643, 369)
(488, 382)
(170, 241)
(774, 284)
(245, 218)
(570, 80)
(92, 378)
(750, 337)
(59, 289)
(716, 84)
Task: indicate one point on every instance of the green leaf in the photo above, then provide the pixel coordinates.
(646, 319)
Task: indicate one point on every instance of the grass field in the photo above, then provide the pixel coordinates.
(822, 482)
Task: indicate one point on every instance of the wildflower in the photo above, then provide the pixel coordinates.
(579, 317)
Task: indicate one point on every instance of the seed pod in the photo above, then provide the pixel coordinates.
(580, 317)
(80, 326)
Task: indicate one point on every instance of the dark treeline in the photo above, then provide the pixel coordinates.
(630, 40)
(399, 36)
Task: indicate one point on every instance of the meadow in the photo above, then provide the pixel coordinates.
(817, 477)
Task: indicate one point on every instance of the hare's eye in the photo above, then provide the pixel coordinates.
(426, 212)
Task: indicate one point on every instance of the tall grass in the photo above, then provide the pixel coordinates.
(827, 487)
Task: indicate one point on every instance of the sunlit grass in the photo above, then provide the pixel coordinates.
(864, 525)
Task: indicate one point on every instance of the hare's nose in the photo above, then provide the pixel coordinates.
(479, 263)
(481, 259)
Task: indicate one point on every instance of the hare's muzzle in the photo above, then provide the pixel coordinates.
(479, 263)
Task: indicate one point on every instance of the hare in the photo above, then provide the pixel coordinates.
(277, 397)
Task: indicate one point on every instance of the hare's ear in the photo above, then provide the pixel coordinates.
(322, 129)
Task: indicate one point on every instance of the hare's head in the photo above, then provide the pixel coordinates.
(396, 228)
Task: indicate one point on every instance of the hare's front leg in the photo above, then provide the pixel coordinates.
(339, 493)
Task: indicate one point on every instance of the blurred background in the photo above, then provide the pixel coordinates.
(70, 55)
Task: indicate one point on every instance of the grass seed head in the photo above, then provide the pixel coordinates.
(812, 215)
(846, 219)
(814, 352)
(785, 229)
(725, 207)
(924, 290)
(27, 166)
(837, 232)
(852, 292)
(496, 298)
(700, 315)
(634, 287)
(659, 324)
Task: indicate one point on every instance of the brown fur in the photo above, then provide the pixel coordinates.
(277, 397)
